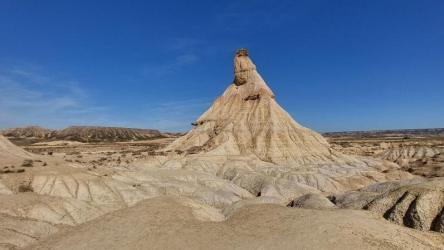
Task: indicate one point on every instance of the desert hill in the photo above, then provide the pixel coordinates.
(246, 119)
(97, 134)
(10, 153)
(27, 135)
(30, 132)
(246, 137)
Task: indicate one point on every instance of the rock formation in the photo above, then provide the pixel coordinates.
(312, 201)
(246, 137)
(403, 155)
(246, 119)
(418, 205)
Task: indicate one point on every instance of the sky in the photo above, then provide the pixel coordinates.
(333, 65)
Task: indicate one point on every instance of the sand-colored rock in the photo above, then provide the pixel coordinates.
(19, 232)
(403, 155)
(418, 151)
(246, 119)
(418, 205)
(252, 227)
(246, 137)
(10, 153)
(312, 201)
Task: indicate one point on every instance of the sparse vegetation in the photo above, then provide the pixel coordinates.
(27, 163)
(23, 188)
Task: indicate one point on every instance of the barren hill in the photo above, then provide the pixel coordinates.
(32, 134)
(10, 153)
(248, 138)
(92, 134)
(246, 119)
(29, 132)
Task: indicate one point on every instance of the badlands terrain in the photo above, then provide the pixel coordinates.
(247, 176)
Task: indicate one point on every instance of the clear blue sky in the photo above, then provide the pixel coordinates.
(333, 65)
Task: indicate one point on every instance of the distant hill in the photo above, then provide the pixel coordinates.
(93, 134)
(385, 133)
(29, 132)
(32, 134)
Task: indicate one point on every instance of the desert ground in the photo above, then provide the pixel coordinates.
(246, 176)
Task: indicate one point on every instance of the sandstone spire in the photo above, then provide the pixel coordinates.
(246, 119)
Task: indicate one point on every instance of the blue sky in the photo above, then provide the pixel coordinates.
(333, 65)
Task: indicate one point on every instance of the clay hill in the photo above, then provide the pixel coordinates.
(10, 153)
(246, 137)
(82, 134)
(246, 119)
(97, 134)
(29, 132)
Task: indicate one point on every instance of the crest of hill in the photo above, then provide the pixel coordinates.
(97, 134)
(29, 132)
